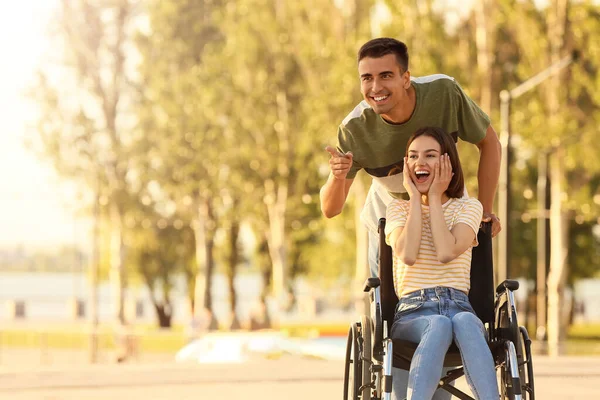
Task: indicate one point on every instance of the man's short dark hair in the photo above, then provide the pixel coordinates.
(376, 48)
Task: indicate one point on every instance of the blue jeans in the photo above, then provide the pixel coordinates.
(399, 376)
(434, 317)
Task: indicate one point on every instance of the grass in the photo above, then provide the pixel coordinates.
(583, 339)
(585, 332)
(148, 341)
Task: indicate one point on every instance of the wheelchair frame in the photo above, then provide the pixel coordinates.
(371, 353)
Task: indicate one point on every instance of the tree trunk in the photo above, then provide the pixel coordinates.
(276, 192)
(484, 55)
(276, 238)
(259, 318)
(200, 241)
(165, 314)
(204, 231)
(210, 261)
(94, 278)
(117, 268)
(557, 22)
(558, 258)
(234, 231)
(542, 247)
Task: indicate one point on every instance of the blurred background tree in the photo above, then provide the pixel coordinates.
(85, 122)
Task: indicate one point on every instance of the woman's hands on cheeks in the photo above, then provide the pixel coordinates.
(442, 175)
(407, 180)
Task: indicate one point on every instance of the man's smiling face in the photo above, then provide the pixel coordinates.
(384, 85)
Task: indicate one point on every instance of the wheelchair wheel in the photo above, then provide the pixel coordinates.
(523, 349)
(357, 373)
(366, 334)
(352, 371)
(508, 329)
(510, 383)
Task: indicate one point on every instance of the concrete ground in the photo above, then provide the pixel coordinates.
(289, 378)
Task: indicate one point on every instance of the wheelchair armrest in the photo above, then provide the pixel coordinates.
(371, 283)
(509, 284)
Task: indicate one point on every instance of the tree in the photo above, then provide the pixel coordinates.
(159, 248)
(83, 127)
(184, 138)
(273, 94)
(559, 122)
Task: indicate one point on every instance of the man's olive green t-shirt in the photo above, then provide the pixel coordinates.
(378, 146)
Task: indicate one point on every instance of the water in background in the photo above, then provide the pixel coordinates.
(49, 296)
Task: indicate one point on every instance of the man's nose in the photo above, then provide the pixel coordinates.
(376, 85)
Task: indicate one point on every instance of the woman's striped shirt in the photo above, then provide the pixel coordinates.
(428, 271)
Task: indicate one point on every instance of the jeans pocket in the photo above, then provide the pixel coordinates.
(465, 306)
(407, 306)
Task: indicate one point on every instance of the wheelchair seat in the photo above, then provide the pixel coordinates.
(404, 351)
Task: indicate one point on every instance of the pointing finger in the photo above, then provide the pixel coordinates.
(333, 152)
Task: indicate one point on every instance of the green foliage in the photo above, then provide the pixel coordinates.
(236, 101)
(159, 249)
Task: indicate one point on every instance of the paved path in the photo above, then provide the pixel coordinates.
(288, 378)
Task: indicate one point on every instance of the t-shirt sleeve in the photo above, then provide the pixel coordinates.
(470, 215)
(396, 215)
(344, 146)
(472, 120)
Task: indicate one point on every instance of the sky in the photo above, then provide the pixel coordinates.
(34, 203)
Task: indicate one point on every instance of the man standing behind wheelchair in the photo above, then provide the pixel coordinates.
(375, 133)
(432, 236)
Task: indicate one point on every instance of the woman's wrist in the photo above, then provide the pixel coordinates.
(435, 200)
(415, 202)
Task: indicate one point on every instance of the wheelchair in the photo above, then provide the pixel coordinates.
(371, 353)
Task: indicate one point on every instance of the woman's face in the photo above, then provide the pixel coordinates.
(423, 154)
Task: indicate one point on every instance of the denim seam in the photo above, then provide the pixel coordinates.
(467, 374)
(425, 333)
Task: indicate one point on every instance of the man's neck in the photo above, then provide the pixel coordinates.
(402, 112)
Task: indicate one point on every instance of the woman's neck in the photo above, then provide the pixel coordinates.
(425, 199)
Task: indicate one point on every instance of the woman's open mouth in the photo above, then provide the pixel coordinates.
(422, 176)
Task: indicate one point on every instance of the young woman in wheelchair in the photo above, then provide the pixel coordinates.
(432, 235)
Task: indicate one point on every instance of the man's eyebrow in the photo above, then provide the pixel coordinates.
(367, 74)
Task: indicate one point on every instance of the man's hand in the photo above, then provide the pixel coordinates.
(496, 226)
(339, 163)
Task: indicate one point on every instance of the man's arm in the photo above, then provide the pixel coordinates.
(333, 195)
(490, 152)
(335, 191)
